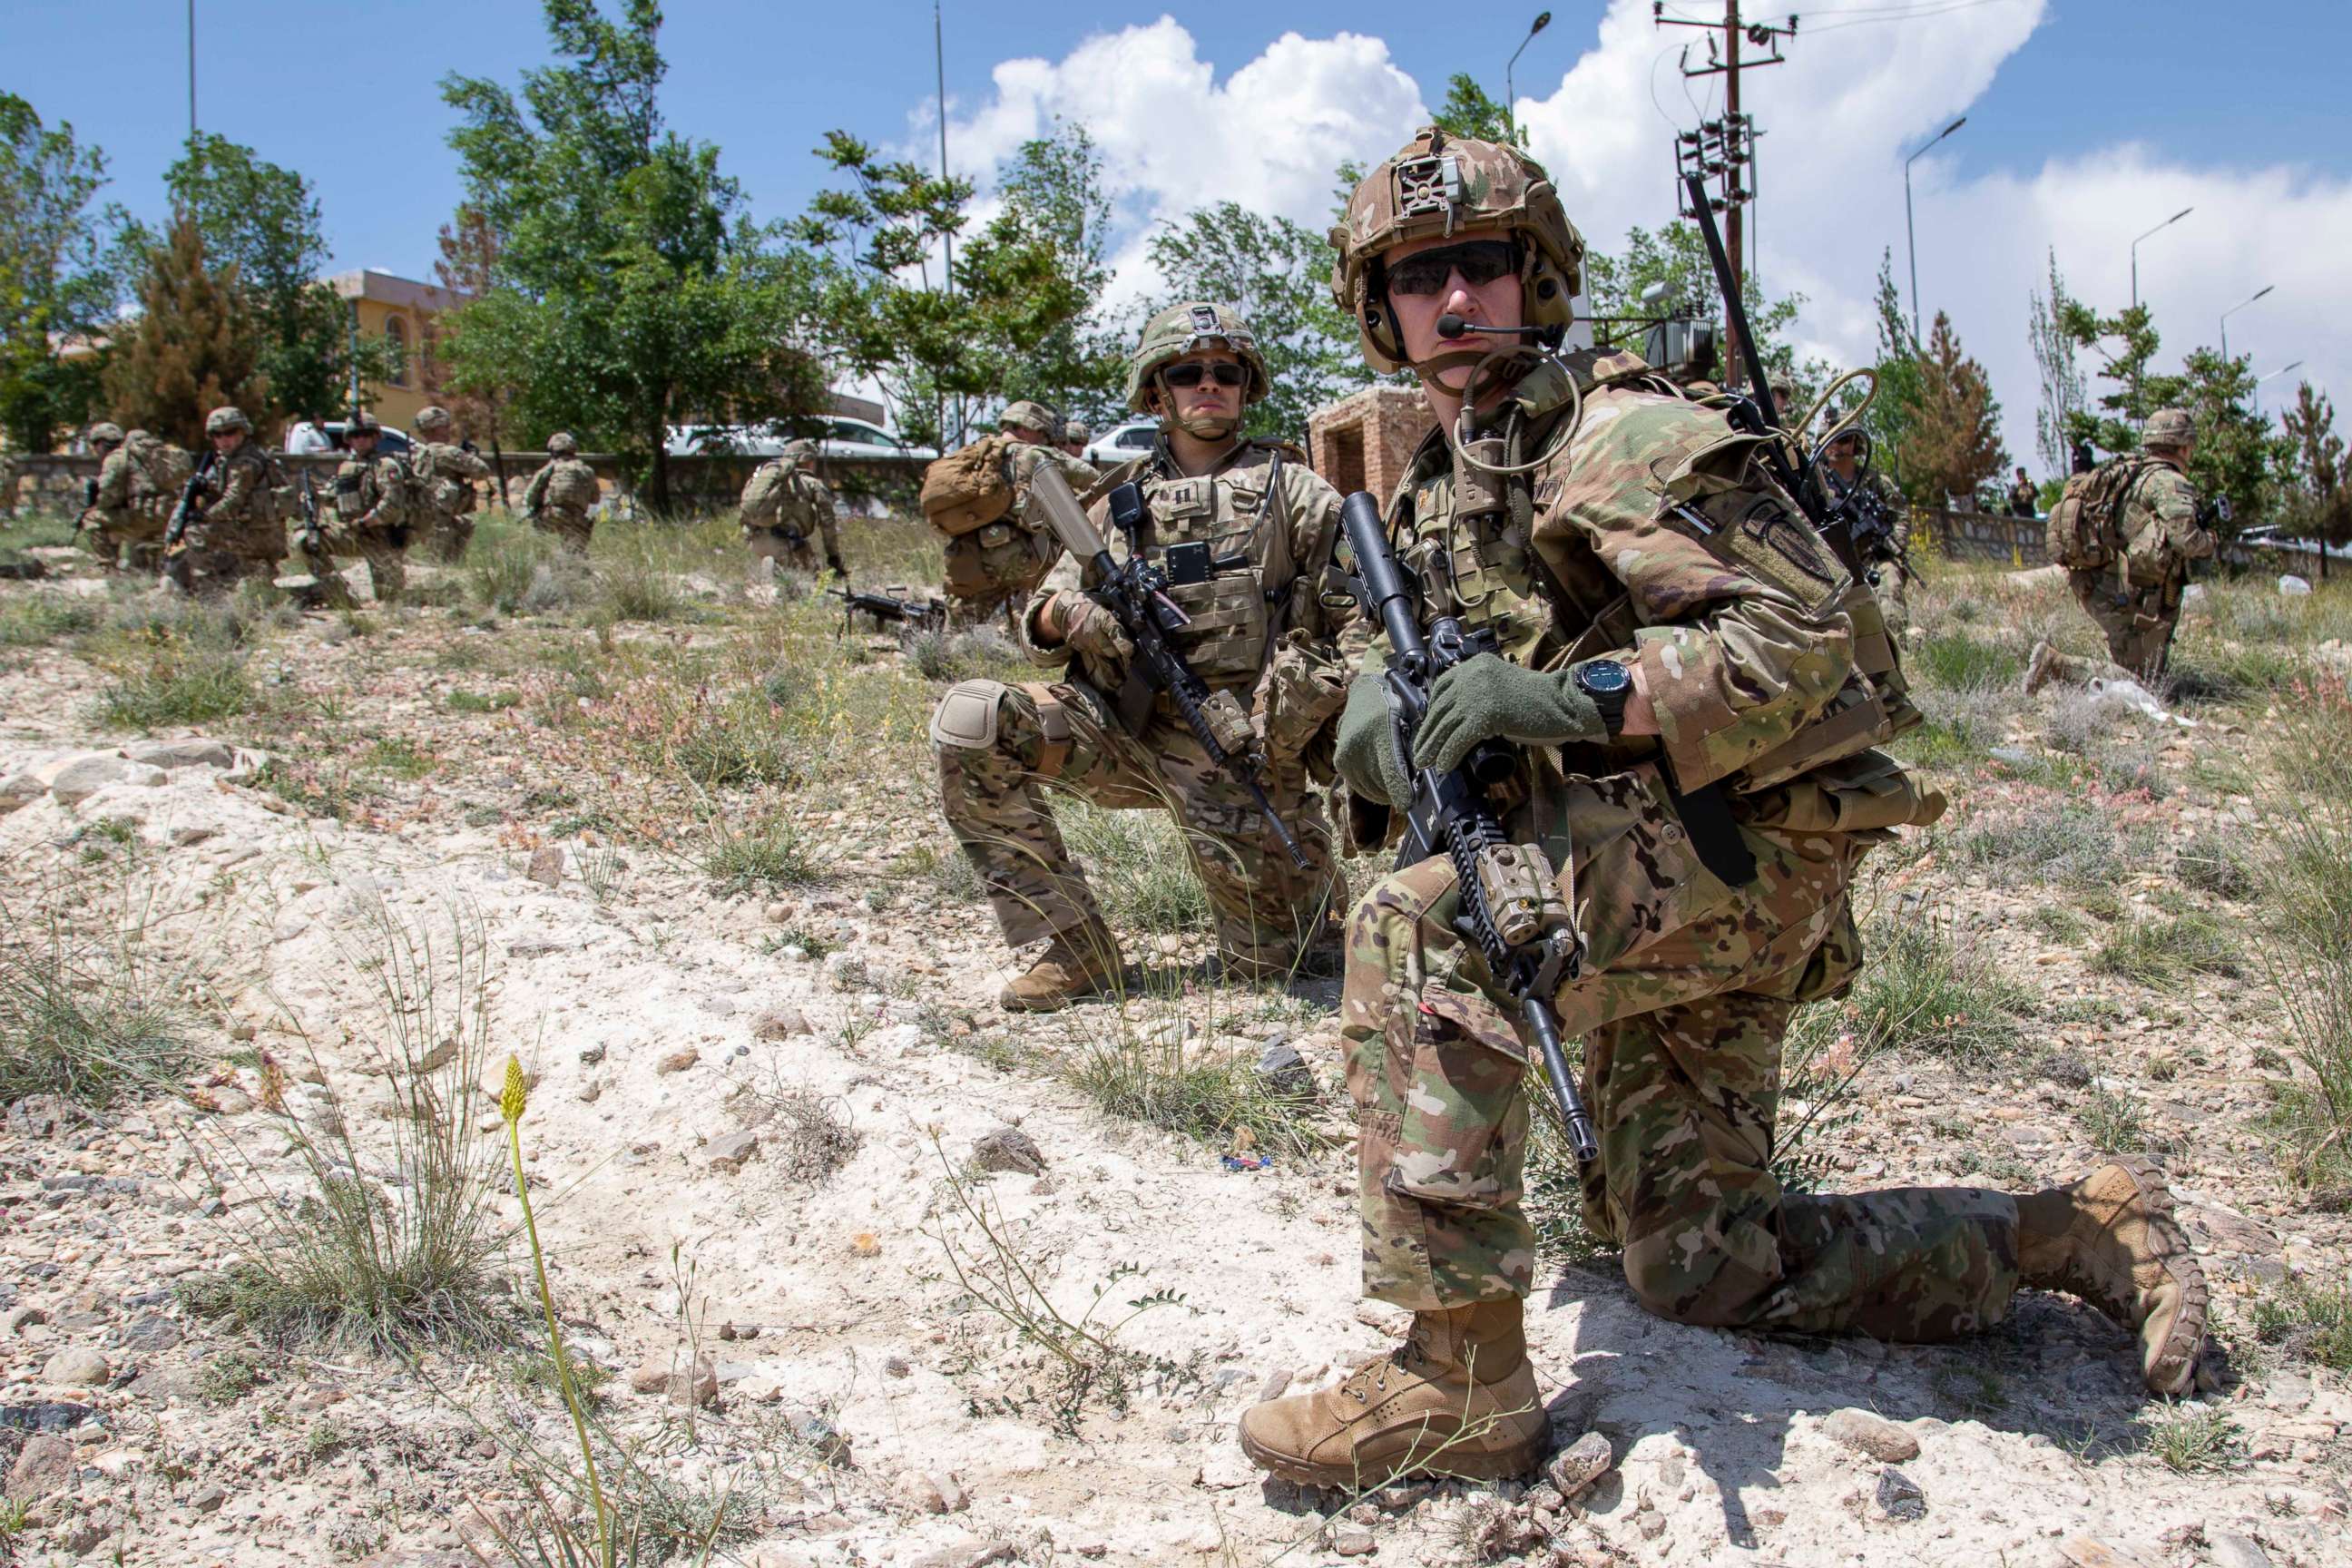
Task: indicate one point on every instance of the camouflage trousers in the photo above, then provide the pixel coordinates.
(215, 559)
(1892, 589)
(991, 573)
(572, 529)
(446, 535)
(1682, 1026)
(1014, 744)
(2139, 630)
(800, 553)
(385, 551)
(142, 535)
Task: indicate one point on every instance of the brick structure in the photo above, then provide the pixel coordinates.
(1363, 441)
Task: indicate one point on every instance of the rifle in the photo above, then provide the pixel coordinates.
(1136, 594)
(1509, 909)
(187, 511)
(1752, 411)
(929, 615)
(311, 532)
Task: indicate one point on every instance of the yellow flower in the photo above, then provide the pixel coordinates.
(515, 1095)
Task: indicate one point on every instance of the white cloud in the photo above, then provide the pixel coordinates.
(1839, 118)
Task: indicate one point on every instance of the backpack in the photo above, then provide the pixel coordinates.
(574, 485)
(764, 498)
(159, 470)
(970, 487)
(2085, 530)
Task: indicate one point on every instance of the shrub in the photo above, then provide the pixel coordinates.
(2157, 952)
(773, 852)
(1138, 867)
(1920, 993)
(83, 1019)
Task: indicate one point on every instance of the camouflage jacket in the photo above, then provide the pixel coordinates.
(2160, 531)
(241, 491)
(1261, 503)
(536, 496)
(374, 491)
(446, 475)
(117, 493)
(1649, 532)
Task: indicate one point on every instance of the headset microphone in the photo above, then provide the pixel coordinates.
(1450, 326)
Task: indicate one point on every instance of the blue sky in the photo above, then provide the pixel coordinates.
(2088, 120)
(350, 95)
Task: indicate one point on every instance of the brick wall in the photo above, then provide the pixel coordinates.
(1363, 441)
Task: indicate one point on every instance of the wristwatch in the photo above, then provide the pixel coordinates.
(1608, 683)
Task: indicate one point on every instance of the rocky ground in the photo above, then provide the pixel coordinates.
(879, 1276)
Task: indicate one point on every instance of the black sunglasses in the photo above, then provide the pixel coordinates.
(1191, 373)
(1480, 262)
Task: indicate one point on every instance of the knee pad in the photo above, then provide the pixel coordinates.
(966, 717)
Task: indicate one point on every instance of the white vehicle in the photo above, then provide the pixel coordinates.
(1122, 443)
(836, 436)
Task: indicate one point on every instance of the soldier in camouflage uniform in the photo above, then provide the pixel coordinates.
(374, 504)
(784, 503)
(1075, 436)
(557, 499)
(235, 529)
(1684, 667)
(2137, 601)
(445, 474)
(1264, 632)
(109, 517)
(994, 569)
(1885, 533)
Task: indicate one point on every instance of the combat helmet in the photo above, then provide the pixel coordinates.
(220, 421)
(1030, 414)
(2171, 428)
(803, 450)
(1185, 329)
(1439, 185)
(562, 444)
(1076, 430)
(105, 433)
(432, 416)
(361, 423)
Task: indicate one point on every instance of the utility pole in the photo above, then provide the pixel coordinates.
(1724, 149)
(947, 279)
(191, 71)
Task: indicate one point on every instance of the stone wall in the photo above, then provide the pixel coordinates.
(1984, 536)
(1363, 441)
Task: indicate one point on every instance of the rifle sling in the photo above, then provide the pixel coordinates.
(1713, 835)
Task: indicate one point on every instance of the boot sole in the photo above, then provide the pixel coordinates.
(2176, 1361)
(1466, 1464)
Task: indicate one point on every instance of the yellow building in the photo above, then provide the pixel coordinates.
(399, 310)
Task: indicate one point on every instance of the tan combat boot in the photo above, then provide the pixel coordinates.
(1457, 1398)
(2045, 664)
(1082, 963)
(2111, 1239)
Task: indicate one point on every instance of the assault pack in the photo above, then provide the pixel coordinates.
(970, 487)
(2085, 531)
(764, 498)
(573, 486)
(159, 471)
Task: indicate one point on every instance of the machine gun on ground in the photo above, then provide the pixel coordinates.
(1510, 911)
(1136, 594)
(924, 614)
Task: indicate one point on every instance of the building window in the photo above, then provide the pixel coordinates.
(395, 338)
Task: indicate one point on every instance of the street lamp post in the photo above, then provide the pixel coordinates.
(2167, 223)
(2260, 379)
(1910, 231)
(1510, 97)
(2233, 311)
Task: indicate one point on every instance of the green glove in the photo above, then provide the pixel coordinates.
(1367, 754)
(1488, 697)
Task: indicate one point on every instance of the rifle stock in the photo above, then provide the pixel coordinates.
(185, 512)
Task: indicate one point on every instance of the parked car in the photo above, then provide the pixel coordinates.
(392, 438)
(836, 436)
(1122, 442)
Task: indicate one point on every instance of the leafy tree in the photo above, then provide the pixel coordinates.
(1676, 256)
(2062, 384)
(1030, 279)
(1469, 112)
(1277, 274)
(1953, 442)
(263, 220)
(2319, 505)
(193, 345)
(2123, 369)
(2238, 455)
(482, 404)
(634, 290)
(1900, 390)
(57, 281)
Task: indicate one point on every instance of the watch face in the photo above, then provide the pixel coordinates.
(1603, 677)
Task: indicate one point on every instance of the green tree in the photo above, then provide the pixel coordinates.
(1277, 274)
(1030, 279)
(192, 346)
(1676, 256)
(634, 290)
(2239, 454)
(1900, 390)
(2125, 344)
(1469, 113)
(58, 277)
(2319, 504)
(477, 397)
(1952, 442)
(2062, 384)
(263, 220)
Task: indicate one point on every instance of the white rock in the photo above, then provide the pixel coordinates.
(85, 776)
(194, 752)
(2293, 586)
